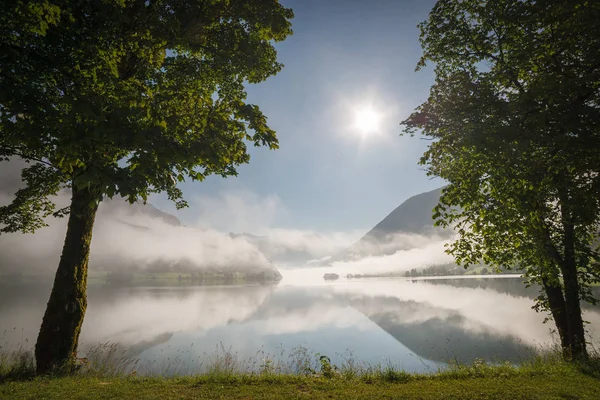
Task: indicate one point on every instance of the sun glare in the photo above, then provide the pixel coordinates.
(367, 120)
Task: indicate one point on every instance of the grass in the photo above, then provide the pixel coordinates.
(304, 375)
(16, 364)
(557, 382)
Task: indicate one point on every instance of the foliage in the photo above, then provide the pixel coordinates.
(130, 97)
(107, 372)
(513, 117)
(327, 369)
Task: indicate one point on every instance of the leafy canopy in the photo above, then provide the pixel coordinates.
(129, 97)
(514, 118)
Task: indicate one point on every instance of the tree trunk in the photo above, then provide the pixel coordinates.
(56, 346)
(554, 292)
(569, 322)
(572, 302)
(556, 302)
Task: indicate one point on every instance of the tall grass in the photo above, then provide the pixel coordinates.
(16, 362)
(109, 360)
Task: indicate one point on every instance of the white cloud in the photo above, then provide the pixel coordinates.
(140, 240)
(430, 252)
(237, 211)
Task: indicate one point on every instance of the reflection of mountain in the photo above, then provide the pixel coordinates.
(431, 331)
(378, 320)
(439, 335)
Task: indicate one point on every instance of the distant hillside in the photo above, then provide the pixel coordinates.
(397, 231)
(129, 239)
(412, 216)
(118, 206)
(133, 243)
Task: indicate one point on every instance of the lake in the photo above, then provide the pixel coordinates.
(416, 324)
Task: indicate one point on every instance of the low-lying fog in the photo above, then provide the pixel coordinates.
(141, 237)
(415, 323)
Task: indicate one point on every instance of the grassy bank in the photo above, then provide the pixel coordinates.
(557, 382)
(541, 387)
(539, 378)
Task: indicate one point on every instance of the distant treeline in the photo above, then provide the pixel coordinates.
(453, 269)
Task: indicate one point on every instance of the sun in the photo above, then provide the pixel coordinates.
(367, 120)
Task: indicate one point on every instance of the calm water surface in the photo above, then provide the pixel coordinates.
(418, 325)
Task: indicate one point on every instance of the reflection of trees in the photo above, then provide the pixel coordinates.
(510, 286)
(436, 334)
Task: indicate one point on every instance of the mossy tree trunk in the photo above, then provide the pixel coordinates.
(56, 346)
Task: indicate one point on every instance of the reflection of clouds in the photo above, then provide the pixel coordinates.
(403, 312)
(482, 310)
(328, 317)
(316, 317)
(142, 315)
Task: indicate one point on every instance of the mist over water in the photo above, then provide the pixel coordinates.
(416, 324)
(142, 238)
(419, 324)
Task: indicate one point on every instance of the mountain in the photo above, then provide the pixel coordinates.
(402, 229)
(412, 216)
(119, 207)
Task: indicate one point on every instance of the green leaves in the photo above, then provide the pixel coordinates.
(514, 118)
(32, 203)
(132, 97)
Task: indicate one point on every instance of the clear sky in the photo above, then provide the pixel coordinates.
(346, 59)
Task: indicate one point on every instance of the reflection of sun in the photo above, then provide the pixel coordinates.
(367, 120)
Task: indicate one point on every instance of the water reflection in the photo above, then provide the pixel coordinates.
(415, 324)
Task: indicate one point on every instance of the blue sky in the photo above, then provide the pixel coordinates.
(344, 56)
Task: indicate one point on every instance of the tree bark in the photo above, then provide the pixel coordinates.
(56, 346)
(556, 302)
(568, 268)
(554, 292)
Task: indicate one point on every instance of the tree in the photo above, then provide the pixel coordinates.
(124, 98)
(514, 118)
